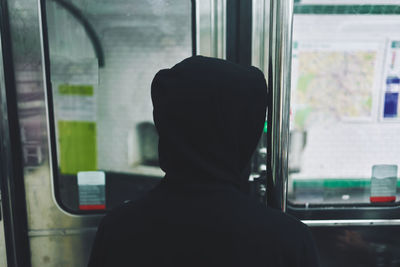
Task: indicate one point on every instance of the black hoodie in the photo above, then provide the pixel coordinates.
(209, 114)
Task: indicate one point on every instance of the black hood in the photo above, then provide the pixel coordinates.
(209, 114)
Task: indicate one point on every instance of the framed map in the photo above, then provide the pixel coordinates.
(333, 81)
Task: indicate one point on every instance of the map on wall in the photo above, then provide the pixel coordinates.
(333, 81)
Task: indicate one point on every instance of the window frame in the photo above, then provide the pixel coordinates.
(359, 212)
(49, 93)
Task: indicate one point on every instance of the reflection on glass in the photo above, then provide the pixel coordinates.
(345, 112)
(101, 88)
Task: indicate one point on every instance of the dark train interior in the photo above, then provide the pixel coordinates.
(78, 137)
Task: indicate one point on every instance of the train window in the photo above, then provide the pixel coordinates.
(103, 56)
(345, 109)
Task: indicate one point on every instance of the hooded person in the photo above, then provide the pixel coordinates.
(209, 114)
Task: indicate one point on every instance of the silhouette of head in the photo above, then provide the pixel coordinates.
(209, 114)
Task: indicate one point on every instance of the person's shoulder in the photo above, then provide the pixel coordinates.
(276, 219)
(132, 209)
(125, 212)
(285, 219)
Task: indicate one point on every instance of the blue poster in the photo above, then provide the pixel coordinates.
(391, 104)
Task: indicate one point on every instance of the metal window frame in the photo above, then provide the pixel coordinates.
(12, 176)
(218, 28)
(50, 114)
(313, 215)
(347, 214)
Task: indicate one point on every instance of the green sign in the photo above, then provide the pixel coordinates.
(81, 90)
(78, 150)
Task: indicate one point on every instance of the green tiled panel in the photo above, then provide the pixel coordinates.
(335, 183)
(347, 9)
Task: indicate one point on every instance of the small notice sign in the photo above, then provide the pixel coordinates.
(91, 187)
(383, 183)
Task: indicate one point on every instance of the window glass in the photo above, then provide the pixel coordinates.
(345, 109)
(103, 57)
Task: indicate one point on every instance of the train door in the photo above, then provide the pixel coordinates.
(14, 248)
(334, 122)
(78, 137)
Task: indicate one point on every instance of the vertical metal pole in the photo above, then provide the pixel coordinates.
(238, 33)
(210, 27)
(280, 50)
(260, 34)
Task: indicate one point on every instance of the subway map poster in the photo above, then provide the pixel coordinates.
(332, 81)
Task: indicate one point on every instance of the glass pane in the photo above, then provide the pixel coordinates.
(103, 57)
(345, 110)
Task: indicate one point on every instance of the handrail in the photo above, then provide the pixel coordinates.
(280, 50)
(94, 38)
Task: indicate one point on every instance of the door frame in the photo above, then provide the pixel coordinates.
(12, 176)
